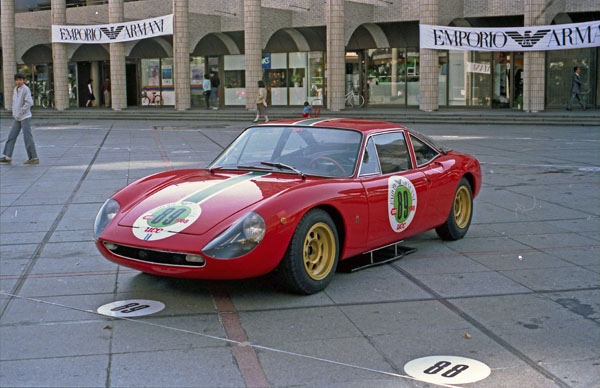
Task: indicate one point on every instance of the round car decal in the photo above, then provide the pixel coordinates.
(163, 221)
(402, 202)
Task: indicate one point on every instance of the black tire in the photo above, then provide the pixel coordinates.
(307, 268)
(459, 219)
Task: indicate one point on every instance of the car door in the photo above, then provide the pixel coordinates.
(437, 168)
(395, 191)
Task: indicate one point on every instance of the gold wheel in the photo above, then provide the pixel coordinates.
(319, 251)
(462, 207)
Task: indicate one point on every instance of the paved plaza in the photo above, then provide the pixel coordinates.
(520, 293)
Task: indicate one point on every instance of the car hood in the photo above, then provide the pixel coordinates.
(216, 197)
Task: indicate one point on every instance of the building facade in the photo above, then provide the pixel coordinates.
(304, 50)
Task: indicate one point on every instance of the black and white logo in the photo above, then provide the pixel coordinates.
(527, 40)
(113, 32)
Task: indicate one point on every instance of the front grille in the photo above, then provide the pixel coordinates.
(152, 256)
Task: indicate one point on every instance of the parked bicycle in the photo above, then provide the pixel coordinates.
(47, 100)
(354, 99)
(151, 97)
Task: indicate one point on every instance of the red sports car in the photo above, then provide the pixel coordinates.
(297, 196)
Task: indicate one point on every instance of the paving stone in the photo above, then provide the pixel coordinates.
(54, 340)
(554, 278)
(473, 283)
(182, 368)
(79, 371)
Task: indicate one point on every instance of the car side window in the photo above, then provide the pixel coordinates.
(423, 152)
(370, 163)
(393, 152)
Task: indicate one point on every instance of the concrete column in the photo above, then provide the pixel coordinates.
(59, 59)
(429, 61)
(534, 72)
(253, 50)
(336, 55)
(181, 54)
(9, 60)
(118, 85)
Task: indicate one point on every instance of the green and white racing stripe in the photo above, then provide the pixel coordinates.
(166, 220)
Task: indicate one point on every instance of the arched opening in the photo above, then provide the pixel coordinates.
(37, 68)
(560, 65)
(149, 73)
(293, 65)
(382, 63)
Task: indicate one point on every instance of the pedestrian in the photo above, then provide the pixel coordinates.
(214, 88)
(106, 92)
(576, 89)
(261, 102)
(207, 90)
(21, 112)
(306, 110)
(91, 97)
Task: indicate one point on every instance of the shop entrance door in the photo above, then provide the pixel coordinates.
(356, 75)
(507, 85)
(131, 77)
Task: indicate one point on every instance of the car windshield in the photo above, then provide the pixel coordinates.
(295, 150)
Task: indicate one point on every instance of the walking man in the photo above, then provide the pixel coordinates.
(22, 101)
(214, 88)
(575, 89)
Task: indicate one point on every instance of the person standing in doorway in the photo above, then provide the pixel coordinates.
(106, 92)
(576, 89)
(214, 88)
(207, 90)
(261, 103)
(21, 112)
(91, 96)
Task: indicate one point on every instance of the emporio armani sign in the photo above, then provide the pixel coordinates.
(111, 33)
(531, 38)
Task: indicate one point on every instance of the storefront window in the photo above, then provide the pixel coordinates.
(298, 84)
(315, 77)
(559, 74)
(235, 79)
(412, 77)
(442, 77)
(168, 88)
(150, 81)
(276, 80)
(502, 85)
(479, 74)
(196, 78)
(457, 75)
(385, 76)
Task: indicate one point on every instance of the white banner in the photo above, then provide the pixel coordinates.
(116, 32)
(531, 38)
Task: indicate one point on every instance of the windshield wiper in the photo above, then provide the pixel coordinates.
(242, 167)
(284, 167)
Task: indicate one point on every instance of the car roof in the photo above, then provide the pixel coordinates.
(366, 126)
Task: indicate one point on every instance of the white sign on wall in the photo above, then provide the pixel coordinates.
(482, 68)
(112, 33)
(530, 38)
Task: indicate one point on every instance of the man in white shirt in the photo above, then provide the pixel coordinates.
(21, 105)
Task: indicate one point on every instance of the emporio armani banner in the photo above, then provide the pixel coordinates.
(111, 33)
(531, 38)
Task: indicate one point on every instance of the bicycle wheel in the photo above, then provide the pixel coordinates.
(45, 103)
(157, 100)
(359, 100)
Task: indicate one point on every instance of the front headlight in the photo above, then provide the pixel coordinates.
(239, 239)
(107, 212)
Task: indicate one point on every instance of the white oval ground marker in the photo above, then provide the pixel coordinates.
(447, 369)
(590, 169)
(131, 308)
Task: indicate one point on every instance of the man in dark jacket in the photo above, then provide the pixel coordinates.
(214, 88)
(576, 89)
